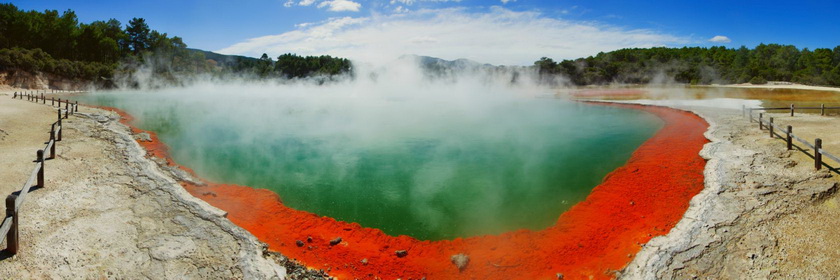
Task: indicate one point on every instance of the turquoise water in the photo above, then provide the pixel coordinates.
(432, 168)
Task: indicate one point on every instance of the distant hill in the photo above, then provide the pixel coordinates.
(451, 70)
(224, 59)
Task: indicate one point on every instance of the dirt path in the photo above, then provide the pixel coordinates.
(24, 128)
(108, 212)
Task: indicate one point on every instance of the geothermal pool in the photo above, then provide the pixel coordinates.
(428, 165)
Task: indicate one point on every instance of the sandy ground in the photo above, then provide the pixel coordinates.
(108, 212)
(765, 212)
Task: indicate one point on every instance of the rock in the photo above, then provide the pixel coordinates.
(460, 261)
(101, 118)
(169, 247)
(143, 137)
(401, 253)
(335, 241)
(364, 261)
(559, 276)
(299, 243)
(309, 239)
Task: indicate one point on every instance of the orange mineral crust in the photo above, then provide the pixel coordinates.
(644, 198)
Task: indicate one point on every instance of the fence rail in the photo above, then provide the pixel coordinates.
(792, 109)
(9, 229)
(789, 136)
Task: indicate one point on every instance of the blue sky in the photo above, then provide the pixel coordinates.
(489, 31)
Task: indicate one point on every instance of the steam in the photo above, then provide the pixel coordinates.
(434, 129)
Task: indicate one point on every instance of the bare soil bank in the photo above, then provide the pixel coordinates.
(17, 80)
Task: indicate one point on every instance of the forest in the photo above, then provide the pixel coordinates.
(698, 65)
(57, 43)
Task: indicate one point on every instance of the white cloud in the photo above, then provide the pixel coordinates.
(507, 1)
(288, 3)
(306, 2)
(720, 39)
(340, 5)
(411, 2)
(498, 36)
(400, 9)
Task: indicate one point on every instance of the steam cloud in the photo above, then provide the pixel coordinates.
(443, 124)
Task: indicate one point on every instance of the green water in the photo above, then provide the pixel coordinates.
(429, 168)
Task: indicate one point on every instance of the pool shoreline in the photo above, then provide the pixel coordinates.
(569, 247)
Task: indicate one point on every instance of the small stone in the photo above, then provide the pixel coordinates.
(364, 261)
(632, 203)
(335, 241)
(460, 261)
(559, 276)
(143, 137)
(299, 243)
(401, 253)
(309, 239)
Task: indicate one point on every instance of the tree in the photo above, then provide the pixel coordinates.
(139, 36)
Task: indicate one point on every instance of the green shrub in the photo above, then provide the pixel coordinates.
(758, 80)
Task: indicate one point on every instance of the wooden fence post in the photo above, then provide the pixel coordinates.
(43, 99)
(52, 101)
(751, 118)
(791, 110)
(66, 109)
(52, 140)
(770, 127)
(14, 96)
(822, 109)
(12, 240)
(789, 138)
(77, 107)
(817, 154)
(60, 128)
(760, 121)
(40, 154)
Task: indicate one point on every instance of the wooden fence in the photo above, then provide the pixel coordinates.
(792, 109)
(9, 227)
(69, 106)
(788, 136)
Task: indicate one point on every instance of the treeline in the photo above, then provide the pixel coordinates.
(36, 60)
(286, 66)
(697, 65)
(57, 43)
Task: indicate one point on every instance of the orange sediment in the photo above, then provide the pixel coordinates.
(638, 201)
